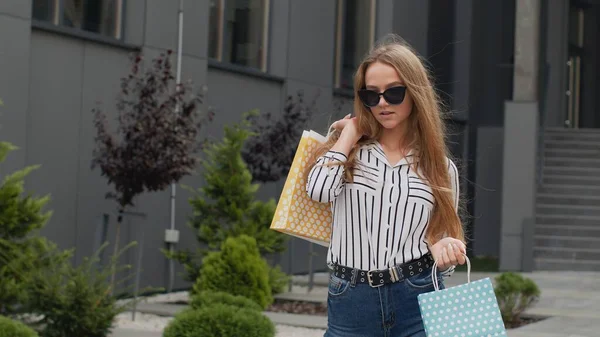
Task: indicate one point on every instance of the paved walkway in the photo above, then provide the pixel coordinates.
(572, 300)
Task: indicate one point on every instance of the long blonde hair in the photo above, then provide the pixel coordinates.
(427, 137)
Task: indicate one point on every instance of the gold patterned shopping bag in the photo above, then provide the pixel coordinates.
(297, 214)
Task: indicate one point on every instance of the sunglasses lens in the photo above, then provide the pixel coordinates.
(369, 97)
(395, 95)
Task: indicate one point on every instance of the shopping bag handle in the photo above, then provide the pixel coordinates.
(434, 273)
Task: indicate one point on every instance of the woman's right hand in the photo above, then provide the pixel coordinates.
(349, 134)
(348, 126)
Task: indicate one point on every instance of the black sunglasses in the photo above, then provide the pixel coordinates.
(393, 95)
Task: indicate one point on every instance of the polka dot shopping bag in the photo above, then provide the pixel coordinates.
(467, 310)
(296, 213)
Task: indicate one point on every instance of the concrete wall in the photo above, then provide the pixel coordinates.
(487, 214)
(15, 32)
(47, 108)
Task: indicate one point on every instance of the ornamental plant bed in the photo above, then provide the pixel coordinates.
(298, 307)
(320, 309)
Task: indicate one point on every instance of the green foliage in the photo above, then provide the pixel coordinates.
(21, 216)
(73, 300)
(226, 205)
(220, 320)
(237, 269)
(10, 328)
(278, 280)
(515, 294)
(208, 298)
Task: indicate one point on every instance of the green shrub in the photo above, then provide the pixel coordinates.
(21, 217)
(278, 280)
(74, 300)
(515, 294)
(220, 320)
(10, 328)
(207, 298)
(237, 269)
(227, 205)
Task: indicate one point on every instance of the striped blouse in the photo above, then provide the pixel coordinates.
(380, 219)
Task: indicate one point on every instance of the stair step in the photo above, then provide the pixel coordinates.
(566, 265)
(573, 171)
(572, 153)
(567, 199)
(561, 130)
(566, 241)
(571, 162)
(567, 230)
(554, 179)
(584, 190)
(568, 220)
(567, 253)
(568, 209)
(583, 144)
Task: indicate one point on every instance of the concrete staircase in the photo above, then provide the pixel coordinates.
(567, 232)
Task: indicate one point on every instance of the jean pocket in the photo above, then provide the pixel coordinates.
(337, 286)
(423, 280)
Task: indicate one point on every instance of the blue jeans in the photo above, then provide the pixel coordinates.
(359, 310)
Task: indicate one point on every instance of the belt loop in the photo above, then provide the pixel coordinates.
(353, 278)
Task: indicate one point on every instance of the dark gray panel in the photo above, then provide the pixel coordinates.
(488, 191)
(19, 8)
(14, 87)
(462, 59)
(278, 42)
(53, 135)
(161, 24)
(133, 22)
(311, 49)
(195, 27)
(411, 22)
(100, 87)
(323, 114)
(556, 59)
(385, 18)
(231, 94)
(590, 81)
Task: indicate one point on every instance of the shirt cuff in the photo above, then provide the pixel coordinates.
(336, 156)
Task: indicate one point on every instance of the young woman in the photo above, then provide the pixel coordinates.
(394, 196)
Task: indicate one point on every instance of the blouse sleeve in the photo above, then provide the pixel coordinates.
(325, 180)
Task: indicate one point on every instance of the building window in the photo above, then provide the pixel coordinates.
(355, 35)
(238, 32)
(96, 16)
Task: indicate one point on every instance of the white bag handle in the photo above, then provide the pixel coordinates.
(434, 273)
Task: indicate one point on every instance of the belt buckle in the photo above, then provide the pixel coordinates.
(370, 278)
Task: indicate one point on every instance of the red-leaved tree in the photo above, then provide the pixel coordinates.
(156, 140)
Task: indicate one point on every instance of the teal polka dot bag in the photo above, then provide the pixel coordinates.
(467, 310)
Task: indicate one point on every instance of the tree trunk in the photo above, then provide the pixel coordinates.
(116, 251)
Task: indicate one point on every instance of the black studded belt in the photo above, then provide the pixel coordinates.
(378, 278)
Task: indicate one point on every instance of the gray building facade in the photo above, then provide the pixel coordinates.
(60, 58)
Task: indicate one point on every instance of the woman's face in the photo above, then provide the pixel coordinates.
(380, 77)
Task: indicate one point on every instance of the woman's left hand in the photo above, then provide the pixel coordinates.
(448, 252)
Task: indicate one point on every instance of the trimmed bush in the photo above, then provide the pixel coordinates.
(515, 294)
(10, 328)
(208, 298)
(220, 320)
(237, 269)
(278, 280)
